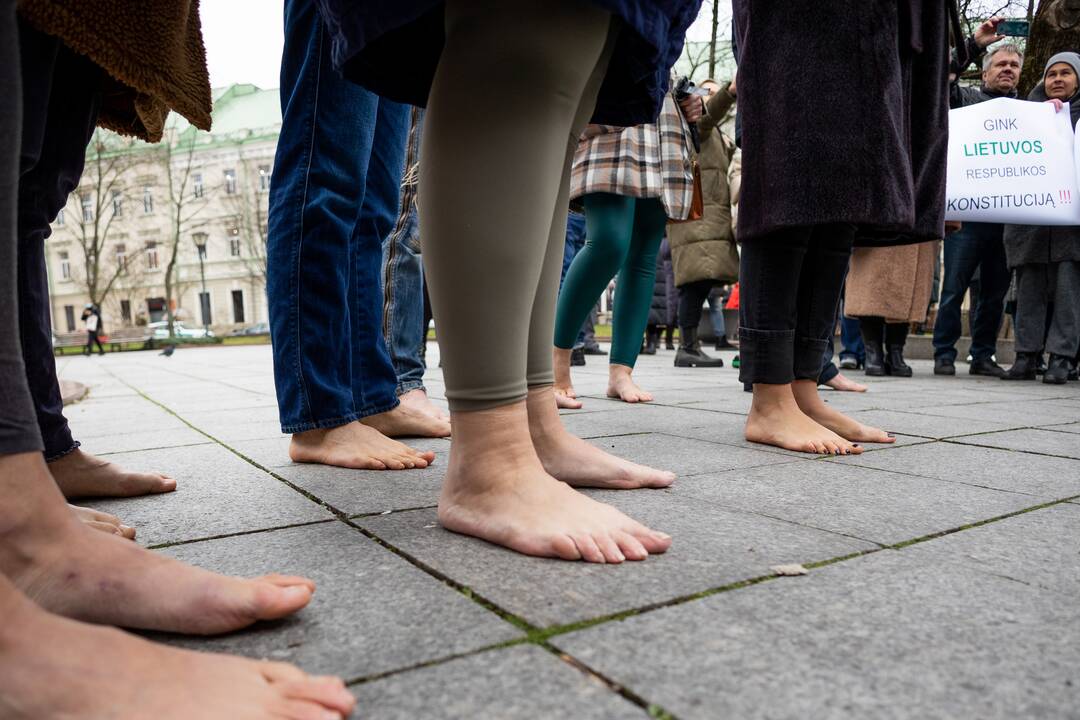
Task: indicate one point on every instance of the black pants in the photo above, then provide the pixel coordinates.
(789, 291)
(61, 97)
(18, 427)
(91, 339)
(692, 296)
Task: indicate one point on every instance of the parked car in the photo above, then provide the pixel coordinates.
(256, 329)
(161, 330)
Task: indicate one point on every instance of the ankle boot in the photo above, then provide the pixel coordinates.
(1057, 370)
(690, 353)
(1024, 367)
(652, 336)
(895, 339)
(669, 338)
(873, 330)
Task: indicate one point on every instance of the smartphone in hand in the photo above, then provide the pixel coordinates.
(1014, 28)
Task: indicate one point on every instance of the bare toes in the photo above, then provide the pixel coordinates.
(272, 602)
(288, 580)
(631, 547)
(609, 547)
(565, 548)
(588, 549)
(328, 692)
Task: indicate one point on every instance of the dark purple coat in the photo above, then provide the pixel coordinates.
(844, 113)
(392, 48)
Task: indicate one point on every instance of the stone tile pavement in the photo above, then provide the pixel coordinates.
(944, 572)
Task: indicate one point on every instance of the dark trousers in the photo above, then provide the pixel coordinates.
(92, 339)
(61, 97)
(976, 246)
(1048, 308)
(18, 427)
(790, 285)
(692, 296)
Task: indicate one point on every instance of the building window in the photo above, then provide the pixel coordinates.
(60, 217)
(197, 184)
(238, 306)
(264, 178)
(87, 207)
(65, 265)
(69, 316)
(233, 231)
(234, 247)
(125, 311)
(121, 258)
(204, 305)
(230, 182)
(147, 200)
(151, 255)
(117, 204)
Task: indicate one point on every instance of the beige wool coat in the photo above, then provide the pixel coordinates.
(705, 249)
(891, 282)
(152, 51)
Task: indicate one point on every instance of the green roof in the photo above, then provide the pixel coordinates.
(239, 111)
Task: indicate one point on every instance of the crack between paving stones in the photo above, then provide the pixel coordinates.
(366, 679)
(392, 511)
(1016, 450)
(855, 463)
(240, 533)
(163, 447)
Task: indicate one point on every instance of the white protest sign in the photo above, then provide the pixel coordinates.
(1012, 161)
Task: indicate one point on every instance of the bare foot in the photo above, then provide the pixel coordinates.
(565, 396)
(81, 475)
(102, 521)
(408, 421)
(57, 668)
(622, 386)
(357, 446)
(418, 400)
(76, 571)
(842, 383)
(578, 463)
(496, 489)
(808, 400)
(775, 419)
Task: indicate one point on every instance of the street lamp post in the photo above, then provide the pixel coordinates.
(200, 245)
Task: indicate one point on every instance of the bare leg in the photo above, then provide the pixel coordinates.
(102, 521)
(418, 400)
(622, 386)
(496, 489)
(356, 446)
(406, 420)
(81, 475)
(57, 668)
(775, 419)
(577, 462)
(76, 571)
(842, 383)
(565, 395)
(810, 402)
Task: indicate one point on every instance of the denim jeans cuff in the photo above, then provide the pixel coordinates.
(409, 386)
(57, 454)
(325, 423)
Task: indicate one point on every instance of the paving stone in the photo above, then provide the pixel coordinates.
(1029, 414)
(928, 426)
(356, 492)
(517, 683)
(372, 611)
(1037, 475)
(217, 493)
(685, 456)
(1040, 548)
(641, 419)
(1073, 428)
(881, 636)
(874, 505)
(118, 416)
(711, 549)
(1046, 442)
(143, 440)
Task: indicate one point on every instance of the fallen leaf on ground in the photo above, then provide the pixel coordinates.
(788, 570)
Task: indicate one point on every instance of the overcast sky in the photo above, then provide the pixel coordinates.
(243, 38)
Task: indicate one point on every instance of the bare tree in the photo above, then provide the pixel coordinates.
(92, 210)
(1055, 28)
(248, 206)
(713, 31)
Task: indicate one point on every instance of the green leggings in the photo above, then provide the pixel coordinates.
(622, 235)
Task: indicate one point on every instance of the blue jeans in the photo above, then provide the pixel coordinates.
(403, 279)
(716, 312)
(851, 338)
(575, 240)
(977, 246)
(333, 198)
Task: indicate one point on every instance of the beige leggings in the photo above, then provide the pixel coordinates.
(516, 85)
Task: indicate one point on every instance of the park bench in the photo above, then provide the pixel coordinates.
(114, 341)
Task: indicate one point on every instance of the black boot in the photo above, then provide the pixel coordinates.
(1024, 367)
(690, 353)
(1057, 370)
(652, 336)
(873, 330)
(722, 343)
(895, 339)
(669, 338)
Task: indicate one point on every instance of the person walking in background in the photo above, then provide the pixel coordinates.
(403, 326)
(977, 247)
(630, 181)
(1046, 259)
(887, 289)
(703, 252)
(91, 318)
(333, 199)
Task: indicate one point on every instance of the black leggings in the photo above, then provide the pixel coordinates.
(18, 426)
(790, 283)
(692, 297)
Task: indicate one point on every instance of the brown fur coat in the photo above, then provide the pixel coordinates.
(152, 51)
(891, 282)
